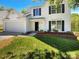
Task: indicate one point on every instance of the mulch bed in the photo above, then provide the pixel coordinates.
(60, 34)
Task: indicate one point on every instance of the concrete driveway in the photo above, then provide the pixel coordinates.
(5, 37)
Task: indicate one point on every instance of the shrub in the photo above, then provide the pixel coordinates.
(41, 30)
(55, 30)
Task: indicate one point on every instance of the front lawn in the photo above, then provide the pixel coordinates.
(21, 46)
(69, 46)
(60, 43)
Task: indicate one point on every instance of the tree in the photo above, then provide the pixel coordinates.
(23, 11)
(10, 9)
(72, 3)
(1, 8)
(75, 22)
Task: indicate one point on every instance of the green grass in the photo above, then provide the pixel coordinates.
(22, 45)
(64, 45)
(60, 43)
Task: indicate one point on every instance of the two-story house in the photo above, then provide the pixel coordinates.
(49, 18)
(46, 18)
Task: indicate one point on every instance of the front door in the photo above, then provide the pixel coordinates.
(36, 26)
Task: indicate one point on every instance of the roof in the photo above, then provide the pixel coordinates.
(38, 18)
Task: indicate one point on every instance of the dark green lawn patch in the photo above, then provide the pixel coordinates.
(59, 43)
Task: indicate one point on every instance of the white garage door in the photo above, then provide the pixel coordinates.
(15, 26)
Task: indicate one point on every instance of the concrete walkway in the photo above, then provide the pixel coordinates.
(32, 34)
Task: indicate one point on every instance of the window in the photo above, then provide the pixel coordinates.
(52, 9)
(37, 12)
(58, 25)
(54, 25)
(60, 9)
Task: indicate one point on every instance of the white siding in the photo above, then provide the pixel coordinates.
(54, 17)
(41, 24)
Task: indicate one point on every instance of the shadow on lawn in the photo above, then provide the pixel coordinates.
(60, 43)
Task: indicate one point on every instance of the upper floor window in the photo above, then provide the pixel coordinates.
(52, 9)
(37, 12)
(60, 9)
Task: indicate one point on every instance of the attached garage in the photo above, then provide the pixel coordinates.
(15, 22)
(15, 26)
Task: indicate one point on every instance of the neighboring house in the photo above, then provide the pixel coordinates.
(3, 14)
(40, 18)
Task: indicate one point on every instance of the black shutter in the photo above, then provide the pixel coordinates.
(40, 11)
(49, 25)
(33, 12)
(63, 8)
(63, 25)
(49, 9)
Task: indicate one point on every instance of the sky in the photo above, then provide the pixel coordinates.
(21, 4)
(75, 10)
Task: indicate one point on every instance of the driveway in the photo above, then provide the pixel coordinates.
(5, 37)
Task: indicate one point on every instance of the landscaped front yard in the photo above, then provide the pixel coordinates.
(36, 46)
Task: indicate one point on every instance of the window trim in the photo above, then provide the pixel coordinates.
(37, 12)
(62, 25)
(56, 10)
